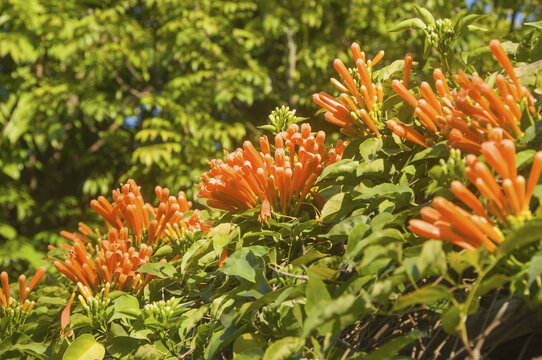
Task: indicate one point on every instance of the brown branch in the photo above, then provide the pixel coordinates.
(182, 356)
(292, 50)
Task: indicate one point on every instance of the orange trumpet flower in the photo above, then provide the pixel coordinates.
(430, 110)
(281, 181)
(466, 116)
(479, 107)
(115, 261)
(135, 227)
(504, 201)
(6, 301)
(358, 109)
(142, 219)
(13, 313)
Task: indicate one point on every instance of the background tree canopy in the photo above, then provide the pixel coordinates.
(94, 92)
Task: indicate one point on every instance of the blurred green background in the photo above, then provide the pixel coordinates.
(95, 92)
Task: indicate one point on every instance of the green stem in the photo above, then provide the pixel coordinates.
(464, 310)
(445, 65)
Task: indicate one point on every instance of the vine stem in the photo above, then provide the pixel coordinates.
(300, 277)
(465, 309)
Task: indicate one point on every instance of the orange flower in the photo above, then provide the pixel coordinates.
(115, 261)
(430, 110)
(466, 116)
(13, 313)
(141, 218)
(280, 181)
(358, 109)
(7, 302)
(479, 107)
(135, 226)
(506, 201)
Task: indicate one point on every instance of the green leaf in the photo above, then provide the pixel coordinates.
(190, 320)
(159, 269)
(244, 262)
(535, 268)
(246, 342)
(346, 226)
(432, 260)
(390, 349)
(427, 295)
(308, 258)
(369, 148)
(409, 24)
(340, 168)
(425, 14)
(466, 21)
(51, 300)
(267, 127)
(339, 205)
(491, 283)
(7, 231)
(36, 350)
(194, 254)
(354, 245)
(537, 24)
(530, 232)
(434, 152)
(162, 251)
(385, 190)
(476, 54)
(284, 348)
(380, 238)
(146, 352)
(532, 132)
(341, 312)
(58, 253)
(316, 292)
(220, 339)
(524, 157)
(380, 221)
(126, 306)
(450, 320)
(84, 347)
(385, 73)
(120, 346)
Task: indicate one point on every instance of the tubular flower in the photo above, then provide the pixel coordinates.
(430, 110)
(466, 116)
(13, 313)
(480, 107)
(506, 201)
(115, 262)
(280, 181)
(358, 109)
(141, 218)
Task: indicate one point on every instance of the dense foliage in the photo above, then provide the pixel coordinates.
(411, 230)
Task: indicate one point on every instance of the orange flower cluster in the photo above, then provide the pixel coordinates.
(280, 181)
(6, 301)
(467, 115)
(488, 108)
(130, 210)
(115, 262)
(505, 201)
(358, 109)
(431, 111)
(114, 259)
